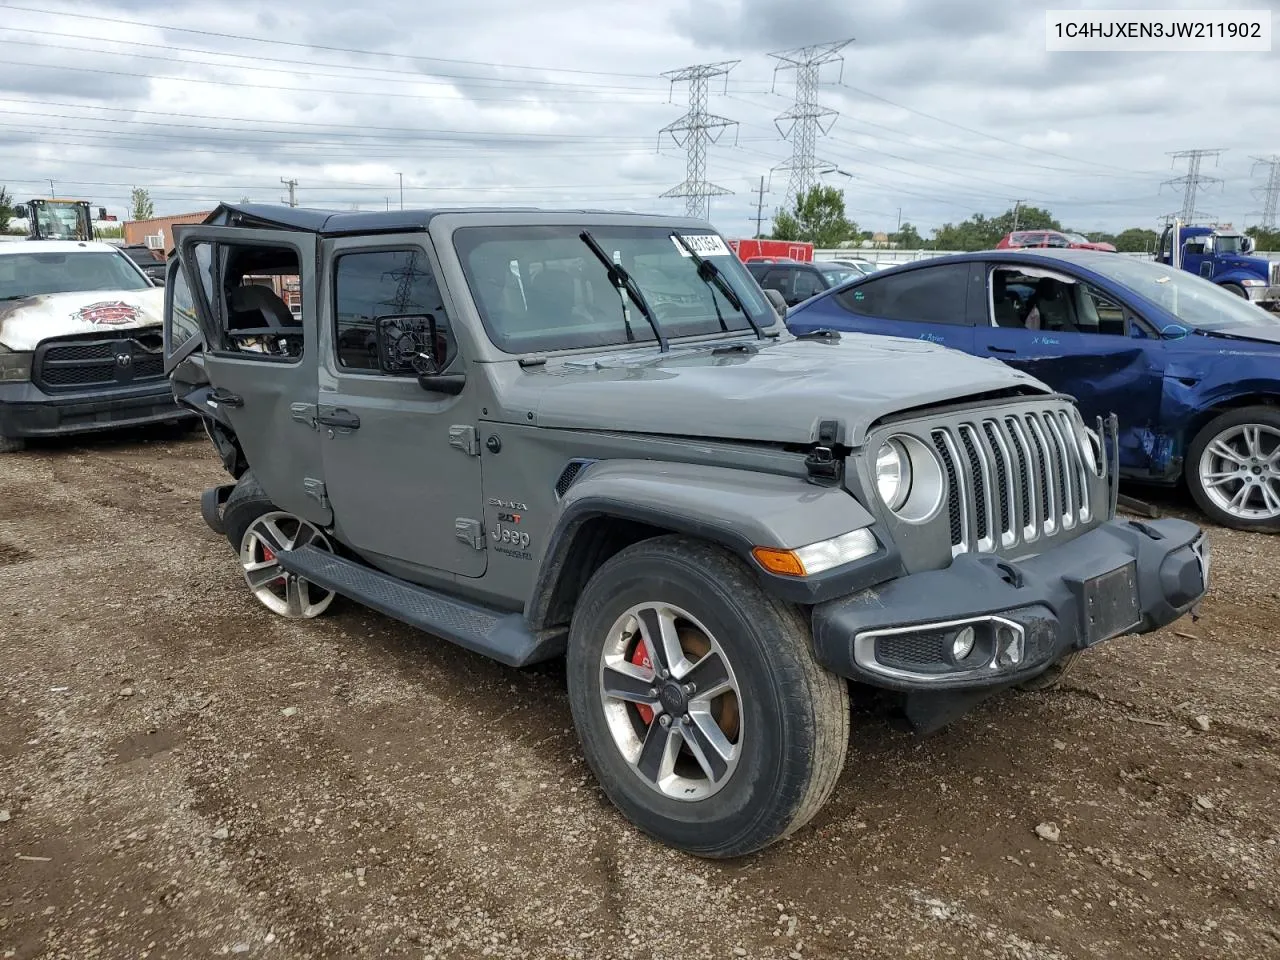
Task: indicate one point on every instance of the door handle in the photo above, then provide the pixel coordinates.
(340, 418)
(226, 399)
(994, 349)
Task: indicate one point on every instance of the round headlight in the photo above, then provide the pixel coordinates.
(893, 474)
(962, 643)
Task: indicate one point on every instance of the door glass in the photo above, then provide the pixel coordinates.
(807, 285)
(928, 295)
(384, 283)
(181, 316)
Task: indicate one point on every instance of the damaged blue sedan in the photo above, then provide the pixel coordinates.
(1192, 371)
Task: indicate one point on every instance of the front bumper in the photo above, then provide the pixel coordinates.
(1263, 295)
(1122, 577)
(26, 411)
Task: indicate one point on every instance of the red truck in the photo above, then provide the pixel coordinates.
(767, 251)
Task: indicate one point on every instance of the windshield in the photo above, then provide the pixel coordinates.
(540, 288)
(32, 274)
(60, 221)
(1196, 302)
(1228, 243)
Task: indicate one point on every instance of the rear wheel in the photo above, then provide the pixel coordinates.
(700, 706)
(11, 444)
(1233, 469)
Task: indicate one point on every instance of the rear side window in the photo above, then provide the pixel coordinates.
(930, 295)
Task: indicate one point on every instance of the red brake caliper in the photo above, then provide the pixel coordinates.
(267, 556)
(641, 659)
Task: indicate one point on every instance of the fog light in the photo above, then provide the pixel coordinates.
(963, 643)
(1009, 643)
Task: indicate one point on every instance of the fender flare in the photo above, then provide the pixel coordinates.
(737, 509)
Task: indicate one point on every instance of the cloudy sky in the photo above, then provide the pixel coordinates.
(946, 107)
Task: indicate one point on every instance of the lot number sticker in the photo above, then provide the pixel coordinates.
(704, 244)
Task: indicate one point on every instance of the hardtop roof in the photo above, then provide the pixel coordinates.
(345, 222)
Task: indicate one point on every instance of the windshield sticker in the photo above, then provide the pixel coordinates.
(703, 244)
(107, 313)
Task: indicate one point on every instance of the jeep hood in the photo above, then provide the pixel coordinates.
(777, 394)
(24, 323)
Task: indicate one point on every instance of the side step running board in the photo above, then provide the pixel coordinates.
(505, 637)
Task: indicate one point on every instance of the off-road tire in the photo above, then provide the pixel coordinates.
(248, 501)
(795, 714)
(1052, 678)
(11, 444)
(1263, 416)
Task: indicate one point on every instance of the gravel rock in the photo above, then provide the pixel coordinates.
(1048, 831)
(4, 816)
(1204, 803)
(739, 952)
(1202, 722)
(222, 833)
(289, 711)
(127, 692)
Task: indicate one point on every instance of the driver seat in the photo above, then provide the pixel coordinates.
(253, 306)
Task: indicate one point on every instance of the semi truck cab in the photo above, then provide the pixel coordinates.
(1225, 257)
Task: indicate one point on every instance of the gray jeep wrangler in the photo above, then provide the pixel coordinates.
(589, 435)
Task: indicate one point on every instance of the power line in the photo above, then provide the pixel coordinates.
(807, 117)
(277, 42)
(1271, 192)
(696, 131)
(1191, 181)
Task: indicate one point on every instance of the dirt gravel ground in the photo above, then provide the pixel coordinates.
(183, 774)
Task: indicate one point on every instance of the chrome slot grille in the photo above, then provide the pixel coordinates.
(1275, 273)
(1013, 479)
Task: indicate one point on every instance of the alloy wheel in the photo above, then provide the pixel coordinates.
(279, 591)
(671, 701)
(1239, 471)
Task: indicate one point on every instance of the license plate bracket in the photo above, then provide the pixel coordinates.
(1109, 604)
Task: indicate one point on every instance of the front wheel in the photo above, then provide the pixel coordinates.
(1233, 469)
(11, 444)
(700, 706)
(1235, 288)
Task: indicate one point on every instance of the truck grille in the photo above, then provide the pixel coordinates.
(1014, 479)
(86, 364)
(1275, 273)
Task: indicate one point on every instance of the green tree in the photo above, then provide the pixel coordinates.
(140, 205)
(1264, 239)
(817, 218)
(907, 237)
(1136, 240)
(6, 209)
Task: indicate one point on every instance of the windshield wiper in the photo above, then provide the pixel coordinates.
(710, 274)
(622, 280)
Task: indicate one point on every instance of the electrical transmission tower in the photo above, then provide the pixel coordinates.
(808, 118)
(696, 131)
(1271, 192)
(1192, 181)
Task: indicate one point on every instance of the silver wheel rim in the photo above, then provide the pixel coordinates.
(279, 591)
(675, 716)
(1240, 471)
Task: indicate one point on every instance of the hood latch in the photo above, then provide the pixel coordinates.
(823, 464)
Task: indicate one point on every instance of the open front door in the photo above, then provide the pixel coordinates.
(259, 354)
